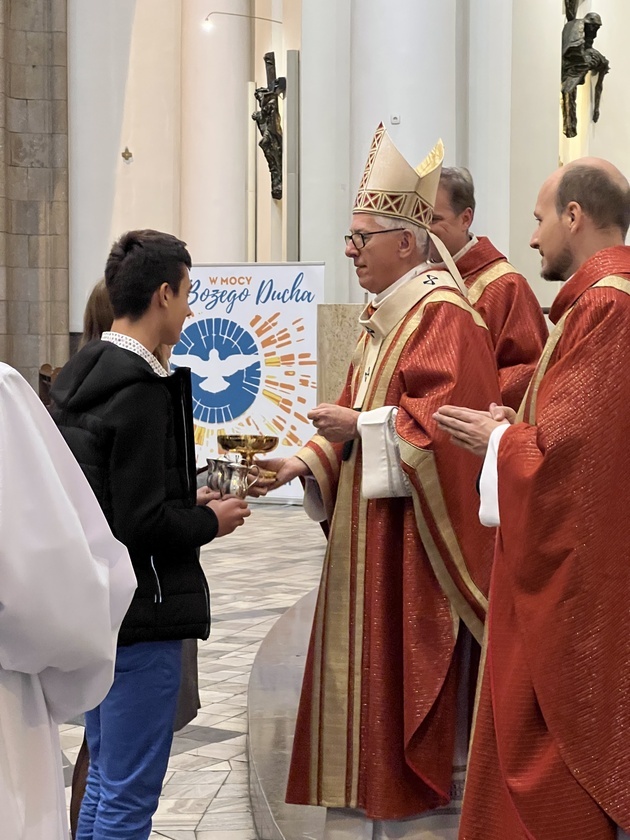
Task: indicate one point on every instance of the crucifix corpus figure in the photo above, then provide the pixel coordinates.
(578, 58)
(268, 121)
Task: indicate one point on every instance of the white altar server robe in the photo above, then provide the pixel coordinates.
(65, 586)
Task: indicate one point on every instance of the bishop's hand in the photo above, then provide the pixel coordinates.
(275, 472)
(335, 422)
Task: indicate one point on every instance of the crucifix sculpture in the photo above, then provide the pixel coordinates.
(268, 121)
(579, 57)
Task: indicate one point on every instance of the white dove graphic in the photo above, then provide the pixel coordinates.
(215, 371)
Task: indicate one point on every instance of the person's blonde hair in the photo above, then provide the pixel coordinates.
(98, 316)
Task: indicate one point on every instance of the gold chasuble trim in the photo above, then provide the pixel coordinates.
(483, 676)
(337, 653)
(614, 281)
(483, 281)
(422, 462)
(340, 705)
(528, 406)
(321, 473)
(359, 628)
(338, 628)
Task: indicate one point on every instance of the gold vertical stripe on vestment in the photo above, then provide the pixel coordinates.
(613, 281)
(429, 477)
(321, 475)
(357, 664)
(423, 463)
(334, 710)
(528, 406)
(482, 676)
(486, 278)
(332, 694)
(336, 727)
(318, 471)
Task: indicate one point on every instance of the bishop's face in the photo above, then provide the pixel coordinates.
(377, 263)
(551, 236)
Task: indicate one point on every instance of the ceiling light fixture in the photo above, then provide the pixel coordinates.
(209, 24)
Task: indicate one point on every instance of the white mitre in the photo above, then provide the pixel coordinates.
(392, 187)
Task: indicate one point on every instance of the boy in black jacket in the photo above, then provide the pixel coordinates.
(129, 424)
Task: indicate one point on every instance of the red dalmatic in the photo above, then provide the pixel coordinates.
(550, 756)
(377, 716)
(509, 307)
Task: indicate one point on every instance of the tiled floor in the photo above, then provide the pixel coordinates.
(255, 575)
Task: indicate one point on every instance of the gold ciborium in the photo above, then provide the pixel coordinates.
(249, 445)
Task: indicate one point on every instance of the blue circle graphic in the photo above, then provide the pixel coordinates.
(225, 368)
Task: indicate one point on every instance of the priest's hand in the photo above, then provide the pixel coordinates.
(274, 472)
(334, 422)
(469, 428)
(502, 412)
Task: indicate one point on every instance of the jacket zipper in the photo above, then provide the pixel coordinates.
(183, 405)
(205, 582)
(158, 596)
(206, 589)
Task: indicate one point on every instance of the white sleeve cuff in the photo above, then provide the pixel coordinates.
(489, 481)
(383, 476)
(313, 502)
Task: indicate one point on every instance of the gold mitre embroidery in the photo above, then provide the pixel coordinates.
(392, 187)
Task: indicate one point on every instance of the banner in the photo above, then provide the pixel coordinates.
(252, 351)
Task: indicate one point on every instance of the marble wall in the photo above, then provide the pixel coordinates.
(337, 334)
(33, 185)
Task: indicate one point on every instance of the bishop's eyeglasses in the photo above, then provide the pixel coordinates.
(360, 240)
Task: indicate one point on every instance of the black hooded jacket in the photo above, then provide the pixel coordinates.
(132, 433)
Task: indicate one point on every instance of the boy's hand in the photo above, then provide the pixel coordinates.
(231, 512)
(205, 495)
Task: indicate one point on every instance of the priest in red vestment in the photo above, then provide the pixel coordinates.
(550, 755)
(496, 290)
(382, 728)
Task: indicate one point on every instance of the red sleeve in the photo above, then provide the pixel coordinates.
(518, 330)
(448, 360)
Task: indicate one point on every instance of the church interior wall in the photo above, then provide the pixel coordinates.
(325, 188)
(535, 114)
(215, 113)
(489, 74)
(124, 93)
(33, 185)
(144, 76)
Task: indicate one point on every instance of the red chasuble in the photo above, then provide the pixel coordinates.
(376, 722)
(509, 307)
(550, 757)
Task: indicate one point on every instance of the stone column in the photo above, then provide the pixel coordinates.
(124, 93)
(33, 185)
(215, 116)
(363, 62)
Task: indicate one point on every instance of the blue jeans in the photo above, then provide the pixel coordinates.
(129, 736)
